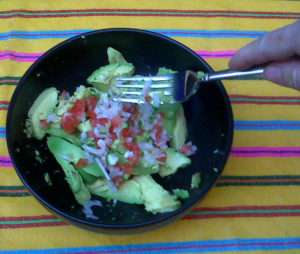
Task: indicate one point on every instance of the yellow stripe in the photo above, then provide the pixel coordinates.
(70, 236)
(8, 176)
(262, 166)
(266, 138)
(254, 5)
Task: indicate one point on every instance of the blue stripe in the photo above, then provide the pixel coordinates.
(211, 33)
(267, 125)
(205, 246)
(33, 35)
(2, 132)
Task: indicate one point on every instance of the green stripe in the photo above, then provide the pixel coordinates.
(246, 212)
(28, 221)
(4, 105)
(15, 195)
(18, 187)
(9, 78)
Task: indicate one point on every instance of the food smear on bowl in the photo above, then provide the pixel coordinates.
(112, 149)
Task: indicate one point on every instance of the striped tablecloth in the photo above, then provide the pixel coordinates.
(255, 205)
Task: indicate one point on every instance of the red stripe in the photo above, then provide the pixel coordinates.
(210, 216)
(194, 13)
(237, 208)
(4, 102)
(9, 81)
(13, 191)
(257, 180)
(266, 102)
(29, 225)
(265, 97)
(38, 217)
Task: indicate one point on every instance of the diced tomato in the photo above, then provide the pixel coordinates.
(82, 163)
(126, 168)
(116, 122)
(69, 123)
(134, 147)
(78, 110)
(147, 96)
(118, 180)
(158, 133)
(44, 124)
(128, 108)
(90, 134)
(91, 113)
(102, 121)
(163, 157)
(91, 102)
(62, 95)
(126, 133)
(186, 149)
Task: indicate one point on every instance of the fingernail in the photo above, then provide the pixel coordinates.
(273, 74)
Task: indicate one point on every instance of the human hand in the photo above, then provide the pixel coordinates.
(282, 48)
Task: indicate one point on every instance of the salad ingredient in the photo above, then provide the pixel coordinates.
(180, 130)
(174, 161)
(156, 198)
(117, 67)
(128, 192)
(180, 193)
(196, 180)
(43, 106)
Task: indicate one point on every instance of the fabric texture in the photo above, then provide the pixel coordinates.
(255, 205)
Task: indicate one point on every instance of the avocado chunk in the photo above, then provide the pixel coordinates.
(145, 168)
(180, 193)
(103, 77)
(85, 126)
(180, 130)
(43, 106)
(128, 192)
(61, 133)
(118, 146)
(87, 178)
(170, 115)
(196, 180)
(83, 195)
(74, 180)
(174, 161)
(115, 56)
(63, 149)
(165, 71)
(156, 198)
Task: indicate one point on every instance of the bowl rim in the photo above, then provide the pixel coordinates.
(163, 218)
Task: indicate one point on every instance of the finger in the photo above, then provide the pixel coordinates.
(285, 73)
(280, 44)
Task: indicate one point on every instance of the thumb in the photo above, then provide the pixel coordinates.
(285, 73)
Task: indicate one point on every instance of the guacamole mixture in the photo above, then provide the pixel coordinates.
(111, 149)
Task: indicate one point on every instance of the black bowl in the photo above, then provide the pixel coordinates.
(208, 113)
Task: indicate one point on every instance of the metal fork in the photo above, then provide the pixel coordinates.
(177, 87)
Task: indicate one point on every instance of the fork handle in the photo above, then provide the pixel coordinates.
(230, 74)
